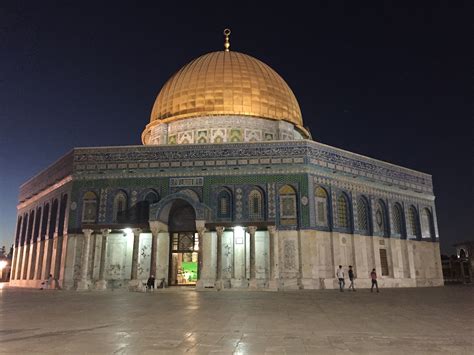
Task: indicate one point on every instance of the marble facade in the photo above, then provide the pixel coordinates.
(259, 254)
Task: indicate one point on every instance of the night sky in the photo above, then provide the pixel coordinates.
(387, 80)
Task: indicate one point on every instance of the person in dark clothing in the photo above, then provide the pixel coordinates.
(373, 276)
(150, 284)
(351, 278)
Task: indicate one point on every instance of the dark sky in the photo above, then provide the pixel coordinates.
(388, 80)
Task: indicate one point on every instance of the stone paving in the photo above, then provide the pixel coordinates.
(395, 321)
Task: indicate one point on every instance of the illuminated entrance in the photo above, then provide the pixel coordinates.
(184, 259)
(184, 245)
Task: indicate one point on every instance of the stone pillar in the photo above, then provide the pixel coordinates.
(411, 258)
(156, 228)
(203, 244)
(83, 284)
(136, 243)
(14, 260)
(219, 232)
(101, 284)
(274, 282)
(253, 281)
(39, 260)
(32, 262)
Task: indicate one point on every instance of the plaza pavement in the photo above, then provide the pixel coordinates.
(396, 321)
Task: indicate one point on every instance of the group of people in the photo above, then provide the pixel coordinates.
(150, 284)
(341, 277)
(46, 284)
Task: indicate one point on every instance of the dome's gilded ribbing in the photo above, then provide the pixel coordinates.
(226, 83)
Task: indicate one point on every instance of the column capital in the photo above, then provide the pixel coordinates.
(105, 231)
(136, 231)
(271, 230)
(87, 232)
(219, 230)
(200, 227)
(157, 227)
(251, 230)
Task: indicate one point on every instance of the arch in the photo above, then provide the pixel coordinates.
(381, 225)
(343, 214)
(62, 215)
(288, 209)
(44, 222)
(89, 207)
(256, 204)
(37, 224)
(23, 229)
(427, 226)
(321, 206)
(120, 205)
(462, 254)
(224, 204)
(363, 213)
(397, 219)
(160, 211)
(182, 217)
(413, 222)
(53, 219)
(149, 197)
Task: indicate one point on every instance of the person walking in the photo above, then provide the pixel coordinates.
(351, 278)
(340, 276)
(373, 276)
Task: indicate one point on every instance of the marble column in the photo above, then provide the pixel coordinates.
(101, 284)
(163, 257)
(201, 230)
(219, 232)
(253, 280)
(13, 267)
(136, 243)
(273, 283)
(156, 228)
(84, 283)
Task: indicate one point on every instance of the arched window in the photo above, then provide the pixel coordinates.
(120, 205)
(89, 208)
(151, 197)
(381, 218)
(143, 206)
(427, 230)
(397, 219)
(288, 215)
(224, 207)
(412, 229)
(342, 211)
(363, 215)
(321, 205)
(255, 204)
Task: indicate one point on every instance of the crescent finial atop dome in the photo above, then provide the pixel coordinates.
(227, 42)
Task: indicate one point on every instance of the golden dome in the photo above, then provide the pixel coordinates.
(226, 83)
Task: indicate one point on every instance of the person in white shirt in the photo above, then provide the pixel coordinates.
(340, 276)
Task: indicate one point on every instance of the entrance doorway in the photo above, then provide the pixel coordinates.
(184, 259)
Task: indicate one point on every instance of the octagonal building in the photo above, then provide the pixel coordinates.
(228, 190)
